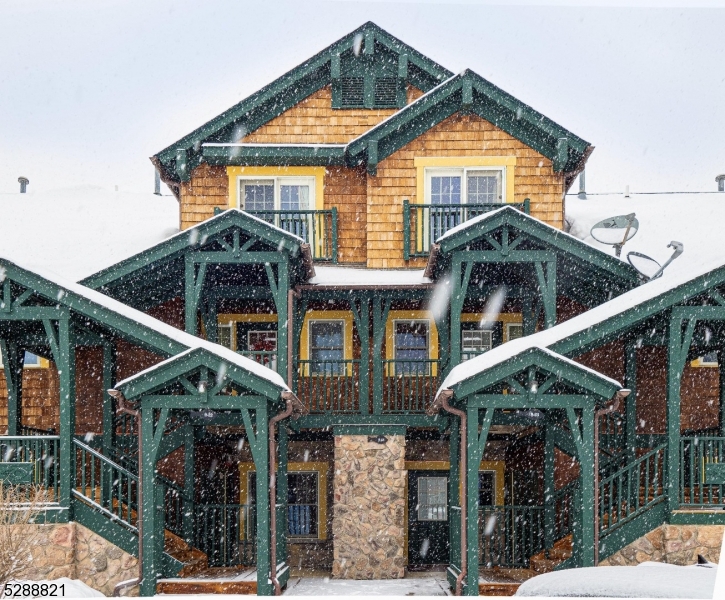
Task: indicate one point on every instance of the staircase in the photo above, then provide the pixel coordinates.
(545, 562)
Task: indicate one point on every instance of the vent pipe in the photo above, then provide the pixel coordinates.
(157, 182)
(720, 183)
(23, 181)
(582, 187)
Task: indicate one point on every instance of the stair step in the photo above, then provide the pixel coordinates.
(212, 581)
(498, 589)
(194, 560)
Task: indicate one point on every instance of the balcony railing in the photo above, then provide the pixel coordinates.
(409, 386)
(329, 386)
(317, 227)
(268, 358)
(423, 224)
(32, 460)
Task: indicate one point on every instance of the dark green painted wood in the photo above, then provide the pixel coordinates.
(630, 382)
(65, 360)
(13, 359)
(715, 473)
(629, 532)
(286, 155)
(17, 473)
(697, 518)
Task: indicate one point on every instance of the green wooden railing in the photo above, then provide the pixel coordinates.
(510, 535)
(632, 490)
(409, 386)
(317, 227)
(106, 485)
(698, 459)
(329, 386)
(177, 506)
(423, 224)
(226, 534)
(564, 507)
(39, 453)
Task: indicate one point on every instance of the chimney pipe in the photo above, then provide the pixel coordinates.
(157, 182)
(23, 181)
(720, 183)
(582, 187)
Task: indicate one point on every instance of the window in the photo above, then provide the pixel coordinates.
(411, 347)
(475, 342)
(432, 498)
(276, 193)
(262, 347)
(514, 331)
(327, 347)
(474, 185)
(302, 503)
(224, 335)
(706, 360)
(486, 488)
(30, 360)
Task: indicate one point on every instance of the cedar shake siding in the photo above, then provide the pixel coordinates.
(457, 136)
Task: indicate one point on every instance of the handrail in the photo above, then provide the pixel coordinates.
(515, 535)
(424, 223)
(632, 490)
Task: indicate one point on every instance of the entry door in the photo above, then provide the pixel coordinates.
(428, 542)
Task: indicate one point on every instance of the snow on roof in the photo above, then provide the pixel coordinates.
(354, 276)
(693, 219)
(76, 232)
(181, 337)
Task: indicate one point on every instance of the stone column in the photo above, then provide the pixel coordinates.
(369, 507)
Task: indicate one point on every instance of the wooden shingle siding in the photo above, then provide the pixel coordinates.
(206, 189)
(41, 399)
(459, 135)
(346, 189)
(313, 121)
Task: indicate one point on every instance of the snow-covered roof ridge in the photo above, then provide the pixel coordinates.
(629, 301)
(328, 276)
(145, 320)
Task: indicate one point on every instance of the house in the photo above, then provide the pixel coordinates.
(372, 304)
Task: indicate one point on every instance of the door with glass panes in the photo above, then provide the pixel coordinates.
(428, 528)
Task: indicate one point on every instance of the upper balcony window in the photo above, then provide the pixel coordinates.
(327, 346)
(464, 186)
(276, 193)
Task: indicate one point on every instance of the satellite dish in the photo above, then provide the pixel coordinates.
(649, 267)
(616, 231)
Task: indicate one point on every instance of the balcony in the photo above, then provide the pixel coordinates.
(425, 223)
(317, 227)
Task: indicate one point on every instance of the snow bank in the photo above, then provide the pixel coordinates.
(72, 588)
(76, 232)
(656, 580)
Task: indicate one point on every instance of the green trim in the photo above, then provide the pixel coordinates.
(286, 91)
(487, 101)
(697, 518)
(283, 155)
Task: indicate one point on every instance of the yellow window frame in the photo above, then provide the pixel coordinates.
(234, 173)
(410, 315)
(321, 468)
(327, 315)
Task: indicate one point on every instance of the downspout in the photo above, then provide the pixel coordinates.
(444, 396)
(289, 399)
(123, 408)
(620, 395)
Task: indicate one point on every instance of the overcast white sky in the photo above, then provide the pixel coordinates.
(90, 88)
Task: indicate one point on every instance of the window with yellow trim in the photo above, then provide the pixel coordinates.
(326, 343)
(30, 361)
(465, 185)
(477, 338)
(411, 346)
(276, 193)
(706, 360)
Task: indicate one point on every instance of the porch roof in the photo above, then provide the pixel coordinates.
(123, 320)
(469, 378)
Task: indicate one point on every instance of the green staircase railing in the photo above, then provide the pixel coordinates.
(702, 471)
(31, 460)
(226, 534)
(632, 491)
(510, 535)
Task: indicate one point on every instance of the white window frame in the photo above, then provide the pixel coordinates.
(411, 322)
(232, 337)
(462, 172)
(279, 181)
(482, 331)
(265, 332)
(508, 330)
(444, 505)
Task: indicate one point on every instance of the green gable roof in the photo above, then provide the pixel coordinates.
(177, 160)
(472, 93)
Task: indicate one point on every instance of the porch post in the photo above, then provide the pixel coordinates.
(529, 313)
(109, 377)
(586, 460)
(13, 360)
(549, 488)
(280, 288)
(149, 566)
(721, 373)
(459, 287)
(281, 508)
(381, 307)
(260, 453)
(362, 322)
(473, 462)
(630, 381)
(188, 517)
(66, 363)
(676, 354)
(190, 302)
(210, 319)
(454, 494)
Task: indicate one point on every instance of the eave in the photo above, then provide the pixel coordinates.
(274, 154)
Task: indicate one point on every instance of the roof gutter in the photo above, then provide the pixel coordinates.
(173, 184)
(570, 176)
(430, 267)
(441, 401)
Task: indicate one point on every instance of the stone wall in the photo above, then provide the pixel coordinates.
(673, 544)
(71, 550)
(369, 508)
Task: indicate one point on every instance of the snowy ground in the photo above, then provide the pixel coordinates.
(434, 584)
(648, 580)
